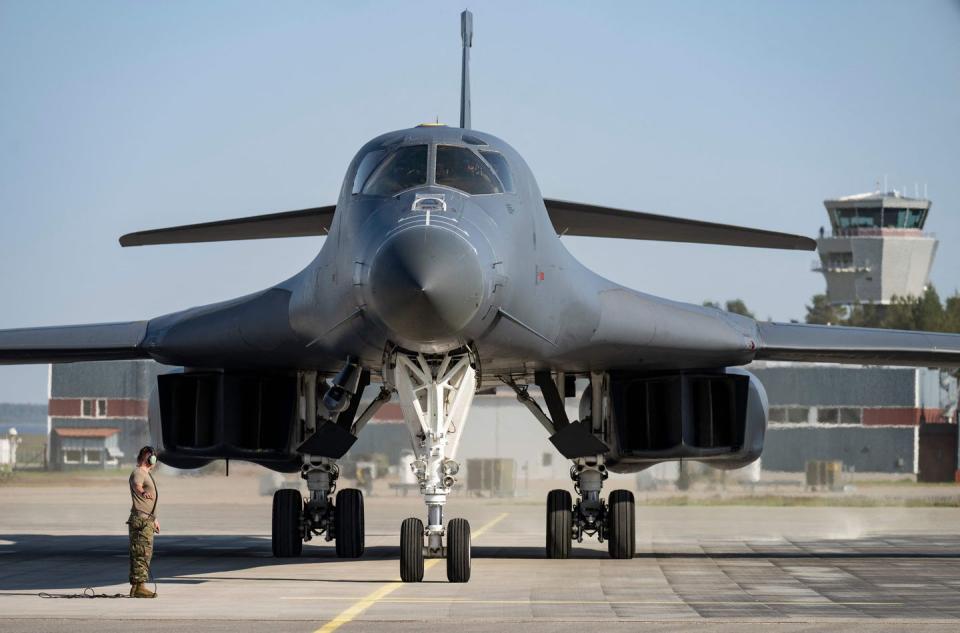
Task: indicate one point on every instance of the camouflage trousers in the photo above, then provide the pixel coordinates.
(141, 547)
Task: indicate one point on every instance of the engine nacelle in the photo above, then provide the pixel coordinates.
(200, 416)
(717, 417)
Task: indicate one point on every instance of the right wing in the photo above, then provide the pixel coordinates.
(576, 218)
(302, 223)
(868, 346)
(101, 341)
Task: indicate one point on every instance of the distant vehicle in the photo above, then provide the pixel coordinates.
(443, 272)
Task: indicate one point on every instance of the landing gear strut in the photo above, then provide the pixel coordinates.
(295, 521)
(612, 521)
(435, 394)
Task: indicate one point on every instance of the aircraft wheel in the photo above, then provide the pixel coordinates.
(349, 523)
(621, 524)
(285, 535)
(559, 524)
(458, 550)
(411, 550)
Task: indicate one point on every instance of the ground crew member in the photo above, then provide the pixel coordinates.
(142, 522)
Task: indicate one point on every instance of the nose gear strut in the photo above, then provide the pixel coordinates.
(435, 395)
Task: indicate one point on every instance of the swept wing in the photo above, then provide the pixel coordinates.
(101, 341)
(832, 344)
(300, 223)
(575, 218)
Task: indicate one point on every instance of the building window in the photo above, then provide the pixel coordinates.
(93, 456)
(90, 408)
(72, 456)
(851, 416)
(798, 414)
(828, 415)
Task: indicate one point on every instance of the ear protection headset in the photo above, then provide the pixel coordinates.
(148, 450)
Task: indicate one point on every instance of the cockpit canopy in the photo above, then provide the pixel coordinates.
(383, 172)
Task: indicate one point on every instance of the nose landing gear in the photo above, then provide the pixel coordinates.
(435, 396)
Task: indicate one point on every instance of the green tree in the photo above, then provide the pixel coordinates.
(866, 315)
(822, 313)
(951, 314)
(737, 306)
(928, 311)
(900, 314)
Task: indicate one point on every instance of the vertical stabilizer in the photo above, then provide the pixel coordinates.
(466, 33)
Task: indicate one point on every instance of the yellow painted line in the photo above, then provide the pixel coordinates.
(489, 525)
(369, 600)
(366, 602)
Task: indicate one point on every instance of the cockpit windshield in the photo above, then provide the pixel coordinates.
(460, 168)
(401, 170)
(499, 164)
(367, 164)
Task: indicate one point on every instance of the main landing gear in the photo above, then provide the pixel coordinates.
(295, 521)
(435, 394)
(612, 521)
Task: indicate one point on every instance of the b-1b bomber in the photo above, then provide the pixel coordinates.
(442, 273)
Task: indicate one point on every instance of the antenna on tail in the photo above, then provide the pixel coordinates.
(466, 33)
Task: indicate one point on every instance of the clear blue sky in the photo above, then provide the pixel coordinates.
(117, 116)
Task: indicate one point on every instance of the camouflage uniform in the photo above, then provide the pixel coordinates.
(141, 547)
(143, 514)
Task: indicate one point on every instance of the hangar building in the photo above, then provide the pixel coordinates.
(871, 418)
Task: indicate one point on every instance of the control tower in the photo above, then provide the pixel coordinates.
(877, 248)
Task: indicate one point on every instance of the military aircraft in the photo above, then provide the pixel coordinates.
(443, 272)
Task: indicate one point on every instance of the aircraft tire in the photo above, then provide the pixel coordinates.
(458, 550)
(285, 534)
(559, 524)
(411, 550)
(621, 524)
(348, 511)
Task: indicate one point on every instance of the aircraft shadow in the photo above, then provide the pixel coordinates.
(31, 562)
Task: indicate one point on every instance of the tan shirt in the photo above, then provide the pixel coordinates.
(140, 502)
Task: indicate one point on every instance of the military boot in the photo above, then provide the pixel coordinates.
(141, 591)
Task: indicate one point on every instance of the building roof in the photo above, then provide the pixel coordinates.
(893, 198)
(85, 432)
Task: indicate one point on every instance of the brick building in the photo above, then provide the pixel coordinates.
(106, 402)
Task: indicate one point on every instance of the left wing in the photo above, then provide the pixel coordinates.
(301, 223)
(101, 341)
(868, 346)
(575, 218)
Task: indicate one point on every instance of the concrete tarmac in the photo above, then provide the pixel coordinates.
(715, 568)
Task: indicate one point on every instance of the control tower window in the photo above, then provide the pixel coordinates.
(401, 170)
(876, 218)
(459, 168)
(368, 163)
(903, 218)
(499, 164)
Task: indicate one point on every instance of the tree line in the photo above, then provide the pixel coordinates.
(926, 312)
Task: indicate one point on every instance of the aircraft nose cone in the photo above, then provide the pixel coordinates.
(426, 283)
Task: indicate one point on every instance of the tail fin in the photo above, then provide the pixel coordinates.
(466, 33)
